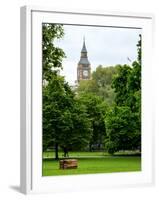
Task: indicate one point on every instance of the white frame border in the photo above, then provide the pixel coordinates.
(28, 180)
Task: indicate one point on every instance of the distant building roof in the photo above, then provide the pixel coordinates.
(84, 61)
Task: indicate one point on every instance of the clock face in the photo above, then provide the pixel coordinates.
(85, 73)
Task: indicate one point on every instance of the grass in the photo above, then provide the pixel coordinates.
(91, 163)
(51, 154)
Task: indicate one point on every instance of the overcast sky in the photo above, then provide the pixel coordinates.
(105, 46)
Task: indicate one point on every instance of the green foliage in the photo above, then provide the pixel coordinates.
(119, 84)
(82, 130)
(103, 75)
(111, 146)
(52, 56)
(65, 120)
(122, 131)
(87, 86)
(57, 101)
(106, 110)
(100, 84)
(123, 121)
(96, 109)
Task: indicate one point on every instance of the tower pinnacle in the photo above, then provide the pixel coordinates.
(84, 66)
(84, 50)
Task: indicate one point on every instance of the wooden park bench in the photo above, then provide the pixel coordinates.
(68, 164)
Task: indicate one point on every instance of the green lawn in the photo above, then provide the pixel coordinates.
(74, 154)
(93, 162)
(51, 154)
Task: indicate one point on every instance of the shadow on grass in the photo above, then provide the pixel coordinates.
(127, 155)
(97, 157)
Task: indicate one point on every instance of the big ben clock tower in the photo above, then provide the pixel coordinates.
(84, 66)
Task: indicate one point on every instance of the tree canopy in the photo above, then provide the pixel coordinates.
(100, 84)
(104, 112)
(65, 121)
(52, 55)
(123, 121)
(95, 109)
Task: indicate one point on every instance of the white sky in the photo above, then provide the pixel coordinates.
(105, 46)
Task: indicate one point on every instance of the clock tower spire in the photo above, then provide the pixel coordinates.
(84, 66)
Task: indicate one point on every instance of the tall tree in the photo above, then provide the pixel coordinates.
(124, 119)
(96, 109)
(57, 102)
(52, 55)
(120, 84)
(65, 120)
(122, 130)
(52, 62)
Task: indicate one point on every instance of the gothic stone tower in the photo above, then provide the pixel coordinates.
(84, 66)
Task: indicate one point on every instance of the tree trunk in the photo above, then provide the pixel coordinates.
(90, 147)
(56, 151)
